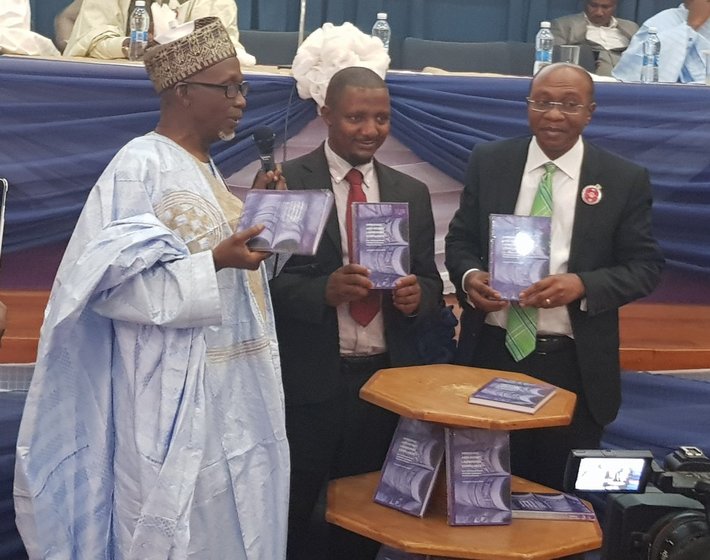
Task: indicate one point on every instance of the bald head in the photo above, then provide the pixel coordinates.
(353, 76)
(584, 77)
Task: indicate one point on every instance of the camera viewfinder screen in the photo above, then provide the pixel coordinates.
(604, 474)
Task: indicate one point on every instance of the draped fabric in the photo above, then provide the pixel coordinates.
(61, 122)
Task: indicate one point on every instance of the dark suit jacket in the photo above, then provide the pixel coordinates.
(307, 327)
(612, 250)
(572, 30)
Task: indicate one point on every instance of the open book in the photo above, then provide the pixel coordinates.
(294, 220)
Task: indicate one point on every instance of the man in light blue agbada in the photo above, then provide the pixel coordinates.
(154, 426)
(685, 37)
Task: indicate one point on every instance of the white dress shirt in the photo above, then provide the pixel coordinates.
(354, 338)
(15, 34)
(610, 37)
(565, 183)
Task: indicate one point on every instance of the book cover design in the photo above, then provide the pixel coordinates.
(477, 476)
(294, 220)
(553, 505)
(381, 240)
(411, 465)
(511, 394)
(519, 253)
(389, 553)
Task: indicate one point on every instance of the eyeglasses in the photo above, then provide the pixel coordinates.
(230, 90)
(566, 107)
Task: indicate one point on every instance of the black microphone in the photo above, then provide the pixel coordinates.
(264, 139)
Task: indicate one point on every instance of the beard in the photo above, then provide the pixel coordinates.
(227, 136)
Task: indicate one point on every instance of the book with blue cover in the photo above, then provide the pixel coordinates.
(550, 505)
(477, 476)
(411, 465)
(294, 220)
(519, 253)
(512, 394)
(381, 240)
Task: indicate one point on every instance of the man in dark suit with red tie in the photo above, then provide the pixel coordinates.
(603, 255)
(334, 331)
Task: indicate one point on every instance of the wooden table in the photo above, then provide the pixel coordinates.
(439, 393)
(350, 506)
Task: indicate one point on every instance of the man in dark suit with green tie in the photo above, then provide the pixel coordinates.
(603, 255)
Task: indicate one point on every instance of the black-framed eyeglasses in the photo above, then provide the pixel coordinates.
(230, 90)
(566, 107)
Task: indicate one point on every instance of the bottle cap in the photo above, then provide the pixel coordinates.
(140, 4)
(652, 30)
(545, 24)
(382, 15)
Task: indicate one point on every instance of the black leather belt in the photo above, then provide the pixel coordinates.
(360, 364)
(547, 344)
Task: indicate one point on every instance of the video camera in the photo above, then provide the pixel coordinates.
(652, 513)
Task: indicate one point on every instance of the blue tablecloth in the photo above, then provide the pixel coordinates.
(62, 121)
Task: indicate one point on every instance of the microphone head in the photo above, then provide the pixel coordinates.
(264, 137)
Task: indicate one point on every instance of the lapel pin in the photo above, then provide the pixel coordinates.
(592, 194)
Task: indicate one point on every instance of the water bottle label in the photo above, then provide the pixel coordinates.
(543, 56)
(139, 36)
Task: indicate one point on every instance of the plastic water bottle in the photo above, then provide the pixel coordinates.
(651, 54)
(382, 30)
(543, 47)
(140, 21)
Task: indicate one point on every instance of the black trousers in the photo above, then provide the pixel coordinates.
(339, 437)
(541, 454)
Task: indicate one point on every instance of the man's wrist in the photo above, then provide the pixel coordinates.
(125, 46)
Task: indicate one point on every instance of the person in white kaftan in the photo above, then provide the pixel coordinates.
(154, 425)
(101, 29)
(685, 38)
(16, 36)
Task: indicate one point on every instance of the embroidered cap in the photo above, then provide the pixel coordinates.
(186, 50)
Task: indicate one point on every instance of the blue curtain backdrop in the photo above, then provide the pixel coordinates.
(61, 122)
(443, 20)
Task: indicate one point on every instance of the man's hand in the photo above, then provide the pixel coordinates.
(553, 291)
(234, 253)
(407, 294)
(346, 284)
(481, 294)
(267, 179)
(698, 12)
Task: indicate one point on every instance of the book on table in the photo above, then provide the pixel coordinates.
(381, 240)
(477, 476)
(519, 253)
(411, 465)
(294, 220)
(550, 505)
(512, 394)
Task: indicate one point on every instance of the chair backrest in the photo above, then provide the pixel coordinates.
(271, 48)
(500, 57)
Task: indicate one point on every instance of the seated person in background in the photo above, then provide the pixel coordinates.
(597, 27)
(684, 33)
(15, 34)
(101, 29)
(64, 23)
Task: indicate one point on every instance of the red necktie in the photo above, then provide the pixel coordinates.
(364, 310)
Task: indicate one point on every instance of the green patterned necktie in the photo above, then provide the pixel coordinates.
(522, 321)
